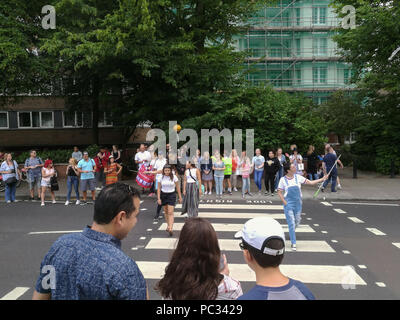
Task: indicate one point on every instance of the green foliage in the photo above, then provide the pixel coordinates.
(278, 118)
(369, 47)
(58, 155)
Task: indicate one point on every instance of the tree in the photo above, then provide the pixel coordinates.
(342, 113)
(371, 48)
(278, 118)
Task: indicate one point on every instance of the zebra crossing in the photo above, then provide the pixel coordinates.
(314, 262)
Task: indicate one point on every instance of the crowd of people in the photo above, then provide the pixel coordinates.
(197, 269)
(83, 174)
(177, 173)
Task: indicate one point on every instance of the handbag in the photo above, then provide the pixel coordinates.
(11, 180)
(54, 184)
(202, 186)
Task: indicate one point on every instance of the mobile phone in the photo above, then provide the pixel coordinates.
(221, 262)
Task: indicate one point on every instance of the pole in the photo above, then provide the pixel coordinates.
(316, 193)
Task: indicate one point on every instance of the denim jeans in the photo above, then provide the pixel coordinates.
(72, 181)
(332, 178)
(279, 175)
(293, 220)
(312, 176)
(10, 192)
(245, 185)
(218, 184)
(258, 178)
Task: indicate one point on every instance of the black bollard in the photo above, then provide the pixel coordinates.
(354, 169)
(392, 169)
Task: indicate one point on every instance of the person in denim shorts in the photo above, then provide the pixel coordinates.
(33, 167)
(87, 168)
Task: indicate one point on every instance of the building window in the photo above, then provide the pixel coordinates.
(3, 120)
(319, 15)
(320, 74)
(36, 119)
(320, 46)
(105, 119)
(73, 119)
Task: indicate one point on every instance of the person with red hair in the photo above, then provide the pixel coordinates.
(47, 172)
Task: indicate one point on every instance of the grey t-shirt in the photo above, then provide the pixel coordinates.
(294, 290)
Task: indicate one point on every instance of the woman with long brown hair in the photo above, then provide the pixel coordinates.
(197, 270)
(166, 196)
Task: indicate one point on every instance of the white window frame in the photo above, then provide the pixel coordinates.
(8, 121)
(102, 124)
(76, 120)
(318, 17)
(40, 120)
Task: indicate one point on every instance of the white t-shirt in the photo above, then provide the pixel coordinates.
(258, 161)
(143, 156)
(189, 179)
(229, 289)
(167, 185)
(159, 165)
(290, 182)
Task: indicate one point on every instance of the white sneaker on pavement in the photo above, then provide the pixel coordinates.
(77, 202)
(42, 204)
(66, 203)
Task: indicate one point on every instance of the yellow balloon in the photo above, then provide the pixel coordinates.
(177, 127)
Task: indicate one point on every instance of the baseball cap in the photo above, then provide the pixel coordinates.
(256, 233)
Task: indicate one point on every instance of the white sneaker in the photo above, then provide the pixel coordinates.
(294, 248)
(42, 204)
(339, 187)
(234, 189)
(53, 202)
(9, 201)
(210, 192)
(66, 203)
(77, 202)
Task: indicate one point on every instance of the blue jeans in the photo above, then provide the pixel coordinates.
(312, 176)
(72, 181)
(245, 185)
(218, 184)
(332, 178)
(10, 192)
(258, 178)
(279, 175)
(293, 220)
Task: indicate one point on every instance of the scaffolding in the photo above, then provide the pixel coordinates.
(290, 46)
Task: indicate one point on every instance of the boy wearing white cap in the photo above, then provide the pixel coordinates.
(263, 245)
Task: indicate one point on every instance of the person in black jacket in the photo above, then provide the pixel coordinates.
(271, 167)
(312, 161)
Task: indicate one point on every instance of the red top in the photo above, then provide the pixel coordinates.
(234, 164)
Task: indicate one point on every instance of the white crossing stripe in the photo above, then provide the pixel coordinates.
(234, 215)
(232, 227)
(369, 204)
(356, 220)
(318, 274)
(339, 211)
(361, 266)
(15, 294)
(54, 232)
(376, 231)
(396, 244)
(380, 284)
(326, 204)
(233, 245)
(236, 206)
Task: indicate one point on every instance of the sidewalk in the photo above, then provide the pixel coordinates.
(367, 187)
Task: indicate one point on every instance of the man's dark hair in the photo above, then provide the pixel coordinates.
(286, 167)
(266, 260)
(113, 199)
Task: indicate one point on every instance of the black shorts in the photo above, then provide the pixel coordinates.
(168, 198)
(227, 176)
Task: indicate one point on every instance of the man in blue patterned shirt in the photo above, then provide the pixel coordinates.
(91, 265)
